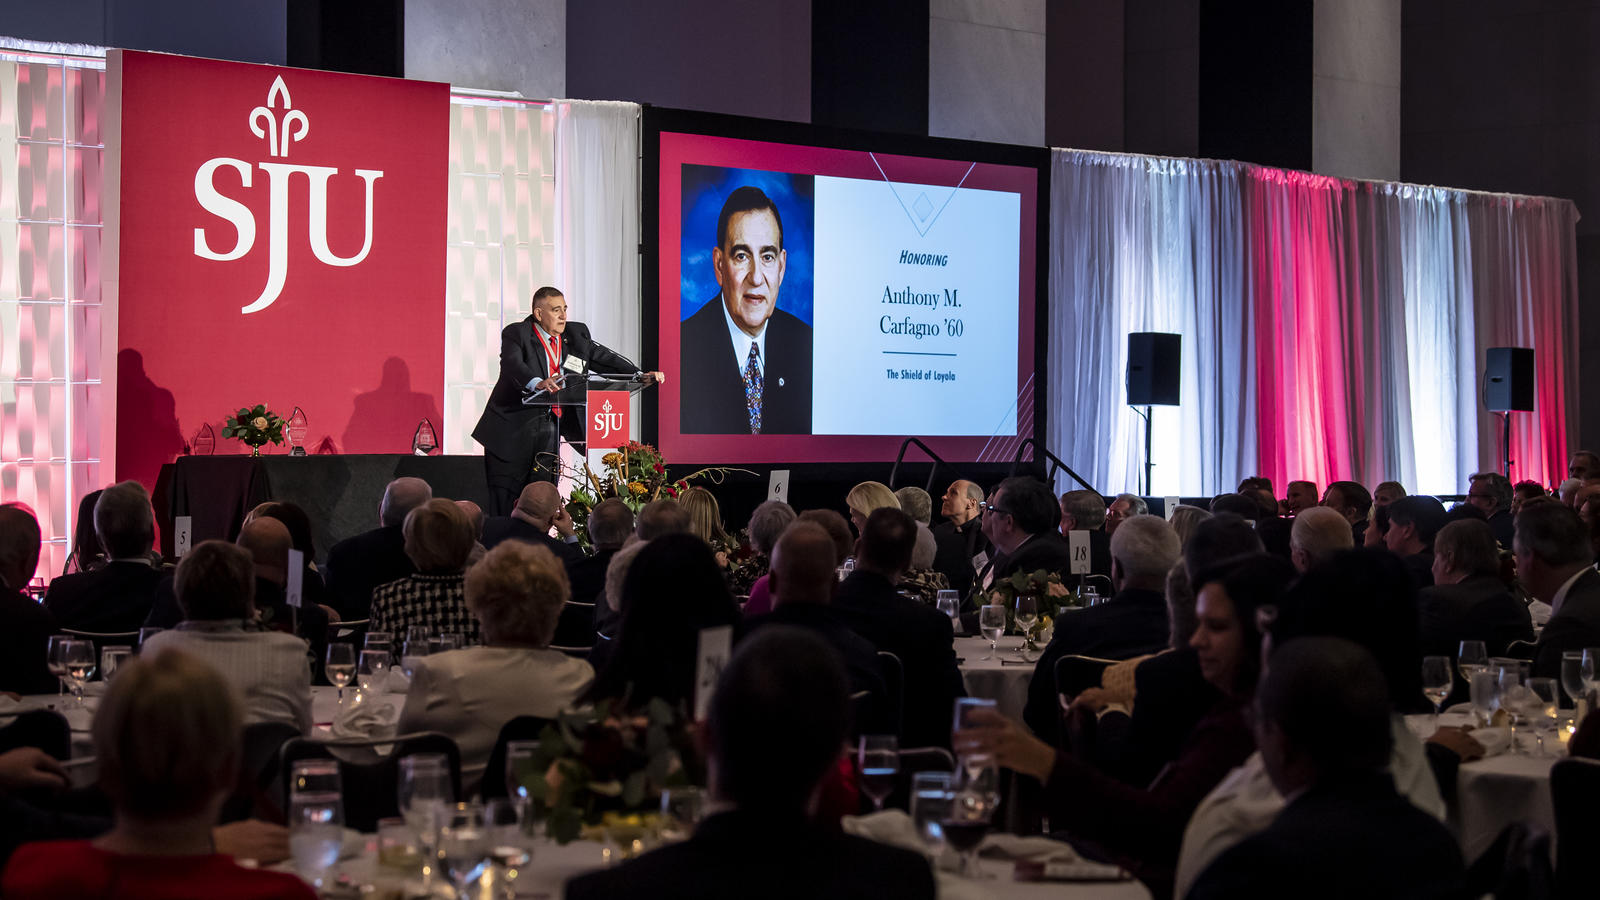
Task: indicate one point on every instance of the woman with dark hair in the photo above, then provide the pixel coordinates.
(1363, 596)
(87, 554)
(1142, 828)
(674, 589)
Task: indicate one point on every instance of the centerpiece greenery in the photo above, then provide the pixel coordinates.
(1047, 589)
(636, 474)
(255, 427)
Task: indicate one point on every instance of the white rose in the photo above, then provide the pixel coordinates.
(259, 422)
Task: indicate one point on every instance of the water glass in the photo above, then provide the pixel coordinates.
(341, 666)
(110, 658)
(681, 810)
(418, 633)
(1027, 615)
(510, 832)
(373, 669)
(1436, 681)
(410, 652)
(931, 793)
(463, 845)
(1591, 668)
(424, 793)
(520, 770)
(79, 660)
(962, 720)
(56, 662)
(1572, 680)
(398, 850)
(992, 622)
(1541, 709)
(1471, 657)
(316, 817)
(878, 757)
(1485, 693)
(378, 640)
(949, 603)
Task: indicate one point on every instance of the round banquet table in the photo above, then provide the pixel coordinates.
(1492, 793)
(1003, 679)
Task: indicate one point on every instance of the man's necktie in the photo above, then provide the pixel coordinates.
(752, 387)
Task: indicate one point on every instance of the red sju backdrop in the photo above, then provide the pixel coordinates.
(281, 240)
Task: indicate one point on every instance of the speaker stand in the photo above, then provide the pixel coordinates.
(1149, 460)
(1505, 432)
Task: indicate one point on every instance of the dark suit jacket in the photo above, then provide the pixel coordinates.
(1504, 527)
(922, 637)
(1170, 698)
(358, 564)
(860, 657)
(1480, 608)
(1420, 567)
(516, 432)
(587, 575)
(1574, 627)
(713, 382)
(954, 548)
(1350, 837)
(1046, 551)
(113, 598)
(25, 629)
(745, 854)
(498, 529)
(1132, 623)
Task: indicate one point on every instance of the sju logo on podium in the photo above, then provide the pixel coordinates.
(280, 125)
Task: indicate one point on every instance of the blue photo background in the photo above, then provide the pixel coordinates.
(704, 190)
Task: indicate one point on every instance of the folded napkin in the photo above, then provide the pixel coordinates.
(1495, 741)
(365, 716)
(1033, 849)
(891, 827)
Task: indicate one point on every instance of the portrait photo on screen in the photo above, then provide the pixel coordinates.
(745, 301)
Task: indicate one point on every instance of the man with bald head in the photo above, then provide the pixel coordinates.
(357, 565)
(268, 543)
(960, 536)
(537, 510)
(28, 625)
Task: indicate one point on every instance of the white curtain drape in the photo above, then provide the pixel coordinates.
(1332, 329)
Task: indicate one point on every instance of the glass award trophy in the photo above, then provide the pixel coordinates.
(424, 442)
(205, 441)
(296, 431)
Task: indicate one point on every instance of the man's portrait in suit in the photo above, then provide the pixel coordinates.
(745, 357)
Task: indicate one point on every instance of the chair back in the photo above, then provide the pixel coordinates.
(521, 728)
(45, 729)
(253, 796)
(370, 771)
(1575, 790)
(104, 639)
(1516, 866)
(575, 625)
(893, 673)
(353, 631)
(1520, 650)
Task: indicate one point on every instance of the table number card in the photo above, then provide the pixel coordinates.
(183, 535)
(1171, 504)
(297, 573)
(778, 486)
(716, 645)
(1078, 545)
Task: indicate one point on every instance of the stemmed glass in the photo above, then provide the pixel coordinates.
(374, 667)
(78, 657)
(510, 832)
(316, 817)
(949, 603)
(110, 658)
(410, 652)
(681, 810)
(1436, 681)
(931, 793)
(1027, 614)
(971, 810)
(1540, 709)
(424, 794)
(341, 666)
(1512, 698)
(463, 845)
(378, 640)
(1472, 657)
(992, 622)
(56, 662)
(1572, 680)
(1590, 670)
(878, 756)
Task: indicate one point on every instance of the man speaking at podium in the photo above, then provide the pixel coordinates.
(520, 441)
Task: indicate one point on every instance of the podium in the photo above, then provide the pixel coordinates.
(603, 400)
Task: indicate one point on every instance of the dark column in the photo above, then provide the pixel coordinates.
(366, 37)
(869, 65)
(1255, 81)
(1083, 66)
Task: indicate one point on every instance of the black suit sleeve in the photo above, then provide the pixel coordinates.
(516, 356)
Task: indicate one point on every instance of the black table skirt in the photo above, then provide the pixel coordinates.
(339, 492)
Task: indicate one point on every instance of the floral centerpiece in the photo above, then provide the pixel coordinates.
(254, 426)
(636, 474)
(600, 772)
(1046, 587)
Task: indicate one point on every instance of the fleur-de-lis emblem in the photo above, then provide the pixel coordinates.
(278, 144)
(606, 406)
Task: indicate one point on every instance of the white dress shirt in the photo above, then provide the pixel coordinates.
(742, 341)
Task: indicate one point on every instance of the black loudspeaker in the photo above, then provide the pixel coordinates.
(1153, 365)
(1508, 379)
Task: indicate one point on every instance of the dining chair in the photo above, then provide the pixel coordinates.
(521, 728)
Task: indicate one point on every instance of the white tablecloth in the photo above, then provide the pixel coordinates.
(1492, 793)
(1003, 679)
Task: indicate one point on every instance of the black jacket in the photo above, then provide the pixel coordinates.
(713, 399)
(113, 598)
(954, 548)
(358, 564)
(513, 431)
(1574, 626)
(1480, 608)
(1130, 624)
(25, 629)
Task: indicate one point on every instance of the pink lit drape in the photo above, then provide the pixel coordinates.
(1333, 329)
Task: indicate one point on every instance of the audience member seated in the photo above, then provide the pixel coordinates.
(438, 540)
(657, 519)
(475, 518)
(1141, 829)
(1468, 600)
(1491, 493)
(1301, 496)
(215, 587)
(610, 523)
(1132, 623)
(672, 592)
(167, 738)
(1184, 519)
(25, 636)
(1413, 524)
(1377, 534)
(705, 523)
(1387, 492)
(960, 536)
(1363, 596)
(516, 593)
(916, 503)
(777, 721)
(313, 590)
(1122, 508)
(922, 582)
(267, 541)
(1350, 500)
(117, 596)
(844, 543)
(1317, 534)
(1324, 732)
(1020, 521)
(358, 564)
(866, 497)
(919, 635)
(803, 581)
(1585, 465)
(767, 524)
(1086, 511)
(538, 509)
(87, 554)
(1241, 505)
(1521, 493)
(1555, 562)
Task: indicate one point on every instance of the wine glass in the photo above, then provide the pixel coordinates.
(964, 706)
(424, 794)
(992, 622)
(1436, 681)
(1512, 698)
(378, 640)
(1590, 670)
(1541, 709)
(373, 669)
(316, 817)
(949, 603)
(1572, 680)
(110, 658)
(510, 833)
(878, 756)
(463, 845)
(410, 652)
(56, 663)
(931, 793)
(519, 769)
(341, 666)
(78, 657)
(966, 822)
(681, 810)
(1472, 657)
(1027, 614)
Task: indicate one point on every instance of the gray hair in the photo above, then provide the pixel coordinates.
(1554, 534)
(1087, 508)
(926, 548)
(610, 522)
(1499, 487)
(1136, 504)
(124, 521)
(1469, 546)
(617, 572)
(916, 503)
(658, 518)
(768, 523)
(400, 497)
(1185, 519)
(1145, 546)
(1320, 532)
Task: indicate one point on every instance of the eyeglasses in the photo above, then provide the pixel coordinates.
(986, 506)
